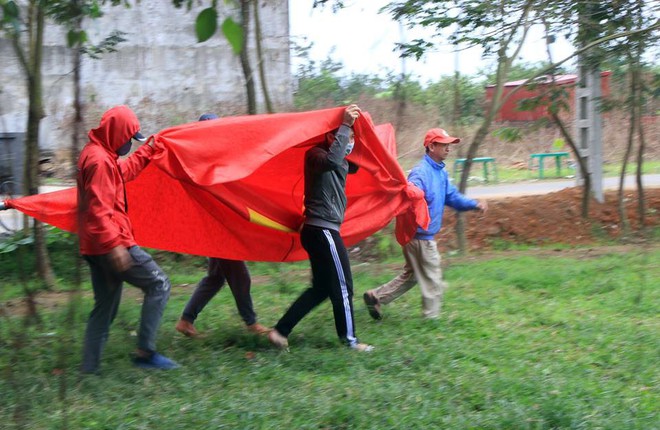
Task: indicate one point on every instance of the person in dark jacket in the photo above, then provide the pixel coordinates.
(107, 242)
(326, 169)
(421, 253)
(236, 274)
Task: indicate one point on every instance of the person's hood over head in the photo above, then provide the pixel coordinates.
(117, 127)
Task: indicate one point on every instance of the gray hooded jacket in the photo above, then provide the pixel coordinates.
(325, 182)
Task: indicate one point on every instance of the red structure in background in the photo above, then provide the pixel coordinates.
(510, 111)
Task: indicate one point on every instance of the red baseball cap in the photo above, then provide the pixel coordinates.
(439, 135)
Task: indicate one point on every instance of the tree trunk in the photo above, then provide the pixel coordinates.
(641, 201)
(504, 62)
(634, 113)
(472, 150)
(262, 72)
(586, 175)
(554, 115)
(457, 99)
(245, 58)
(77, 130)
(35, 114)
(639, 53)
(400, 99)
(503, 67)
(77, 108)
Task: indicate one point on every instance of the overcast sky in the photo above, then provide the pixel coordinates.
(363, 40)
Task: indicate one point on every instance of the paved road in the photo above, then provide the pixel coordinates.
(12, 218)
(549, 186)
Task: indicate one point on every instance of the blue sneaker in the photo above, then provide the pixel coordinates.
(156, 361)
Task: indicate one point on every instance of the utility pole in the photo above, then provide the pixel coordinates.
(401, 84)
(590, 127)
(457, 90)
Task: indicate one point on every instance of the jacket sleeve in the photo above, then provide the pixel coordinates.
(320, 160)
(458, 201)
(416, 178)
(132, 166)
(101, 193)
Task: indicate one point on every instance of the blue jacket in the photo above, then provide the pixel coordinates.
(432, 178)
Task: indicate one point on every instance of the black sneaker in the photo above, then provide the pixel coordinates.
(373, 305)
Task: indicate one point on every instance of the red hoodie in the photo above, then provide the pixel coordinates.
(103, 221)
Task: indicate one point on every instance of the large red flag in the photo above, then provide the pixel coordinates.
(233, 187)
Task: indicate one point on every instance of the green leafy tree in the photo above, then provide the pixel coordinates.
(520, 71)
(629, 18)
(555, 98)
(72, 15)
(236, 32)
(609, 33)
(245, 58)
(260, 57)
(24, 27)
(467, 109)
(318, 87)
(499, 28)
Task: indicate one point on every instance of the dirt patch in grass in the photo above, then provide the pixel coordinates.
(550, 218)
(55, 300)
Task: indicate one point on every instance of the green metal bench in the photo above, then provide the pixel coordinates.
(459, 163)
(558, 156)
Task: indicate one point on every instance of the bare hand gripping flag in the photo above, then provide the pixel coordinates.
(233, 187)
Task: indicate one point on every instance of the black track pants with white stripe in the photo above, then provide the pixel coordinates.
(331, 277)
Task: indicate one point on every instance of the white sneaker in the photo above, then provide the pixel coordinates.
(277, 340)
(362, 347)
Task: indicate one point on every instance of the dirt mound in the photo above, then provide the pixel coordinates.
(549, 218)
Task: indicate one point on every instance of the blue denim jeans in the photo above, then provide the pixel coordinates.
(107, 283)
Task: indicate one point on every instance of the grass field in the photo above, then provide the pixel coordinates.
(531, 339)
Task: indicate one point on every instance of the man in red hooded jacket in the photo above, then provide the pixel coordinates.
(107, 242)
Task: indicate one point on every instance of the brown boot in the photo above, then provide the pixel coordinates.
(373, 305)
(186, 328)
(258, 329)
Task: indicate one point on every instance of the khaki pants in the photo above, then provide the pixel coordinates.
(422, 267)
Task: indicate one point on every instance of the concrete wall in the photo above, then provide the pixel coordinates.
(161, 71)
